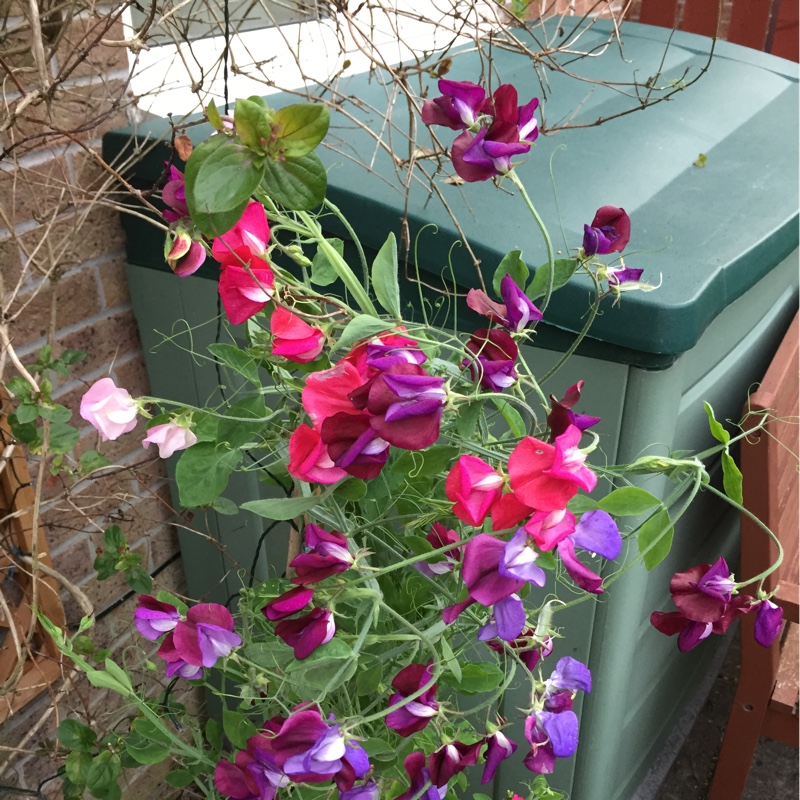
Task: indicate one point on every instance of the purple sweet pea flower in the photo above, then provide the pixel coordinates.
(174, 195)
(718, 581)
(520, 310)
(769, 621)
(702, 592)
(288, 603)
(206, 635)
(249, 777)
(619, 275)
(305, 634)
(498, 748)
(518, 560)
(451, 759)
(324, 757)
(609, 232)
(176, 665)
(509, 620)
(438, 537)
(459, 106)
(419, 775)
(328, 555)
(562, 416)
(382, 355)
(505, 109)
(153, 618)
(354, 445)
(415, 714)
(488, 153)
(493, 354)
(597, 533)
(367, 791)
(569, 674)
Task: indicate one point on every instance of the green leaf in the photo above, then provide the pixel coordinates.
(323, 273)
(298, 184)
(468, 416)
(27, 412)
(71, 791)
(701, 160)
(377, 747)
(214, 118)
(426, 463)
(103, 773)
(384, 277)
(76, 736)
(252, 126)
(235, 430)
(564, 269)
(118, 674)
(731, 478)
(226, 178)
(628, 501)
(203, 471)
(138, 578)
(316, 671)
(238, 360)
(368, 681)
(351, 489)
(144, 751)
(238, 728)
(166, 597)
(92, 460)
(63, 437)
(213, 733)
(211, 224)
(451, 660)
(114, 538)
(224, 506)
(179, 778)
(512, 417)
(77, 767)
(55, 413)
(300, 127)
(284, 508)
(18, 386)
(476, 678)
(360, 327)
(511, 265)
(480, 796)
(270, 655)
(655, 539)
(581, 503)
(717, 431)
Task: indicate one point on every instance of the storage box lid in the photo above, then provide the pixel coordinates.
(710, 233)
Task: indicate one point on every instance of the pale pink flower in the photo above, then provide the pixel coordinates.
(169, 437)
(109, 409)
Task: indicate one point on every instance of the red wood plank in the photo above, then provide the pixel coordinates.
(750, 23)
(663, 13)
(785, 44)
(701, 16)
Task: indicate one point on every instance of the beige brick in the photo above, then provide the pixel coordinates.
(172, 580)
(36, 192)
(132, 374)
(10, 264)
(74, 562)
(80, 53)
(77, 297)
(163, 545)
(115, 284)
(104, 341)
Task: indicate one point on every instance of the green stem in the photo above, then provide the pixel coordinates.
(362, 257)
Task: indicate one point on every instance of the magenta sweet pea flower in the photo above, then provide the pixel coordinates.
(153, 618)
(326, 392)
(250, 234)
(420, 776)
(498, 748)
(309, 460)
(245, 292)
(328, 555)
(546, 477)
(206, 635)
(305, 634)
(385, 353)
(366, 791)
(769, 622)
(170, 437)
(294, 339)
(406, 404)
(439, 536)
(596, 533)
(288, 603)
(451, 759)
(473, 486)
(550, 735)
(690, 632)
(415, 714)
(458, 107)
(184, 255)
(514, 313)
(505, 109)
(617, 276)
(249, 778)
(562, 416)
(354, 445)
(109, 409)
(176, 664)
(174, 195)
(702, 592)
(493, 355)
(609, 232)
(548, 528)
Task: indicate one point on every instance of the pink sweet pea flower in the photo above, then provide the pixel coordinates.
(328, 555)
(174, 195)
(288, 603)
(294, 339)
(492, 359)
(549, 528)
(609, 232)
(250, 233)
(305, 634)
(176, 664)
(327, 392)
(546, 477)
(183, 255)
(109, 409)
(473, 486)
(169, 437)
(562, 416)
(245, 292)
(309, 460)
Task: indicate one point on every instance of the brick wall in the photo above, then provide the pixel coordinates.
(61, 262)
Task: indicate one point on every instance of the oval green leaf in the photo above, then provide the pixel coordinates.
(301, 127)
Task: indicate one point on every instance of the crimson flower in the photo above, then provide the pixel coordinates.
(328, 554)
(493, 354)
(294, 339)
(609, 232)
(414, 715)
(561, 415)
(305, 634)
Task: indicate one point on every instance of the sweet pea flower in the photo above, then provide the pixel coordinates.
(249, 778)
(184, 255)
(367, 791)
(326, 392)
(561, 415)
(328, 555)
(354, 445)
(530, 648)
(246, 239)
(406, 404)
(769, 621)
(305, 634)
(245, 292)
(205, 636)
(518, 560)
(493, 354)
(109, 409)
(498, 748)
(596, 532)
(550, 735)
(153, 618)
(505, 109)
(176, 664)
(546, 477)
(419, 776)
(508, 620)
(174, 195)
(548, 528)
(609, 232)
(288, 603)
(451, 759)
(438, 537)
(294, 339)
(169, 437)
(617, 276)
(458, 107)
(571, 674)
(702, 592)
(414, 715)
(690, 632)
(473, 486)
(393, 350)
(514, 313)
(309, 460)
